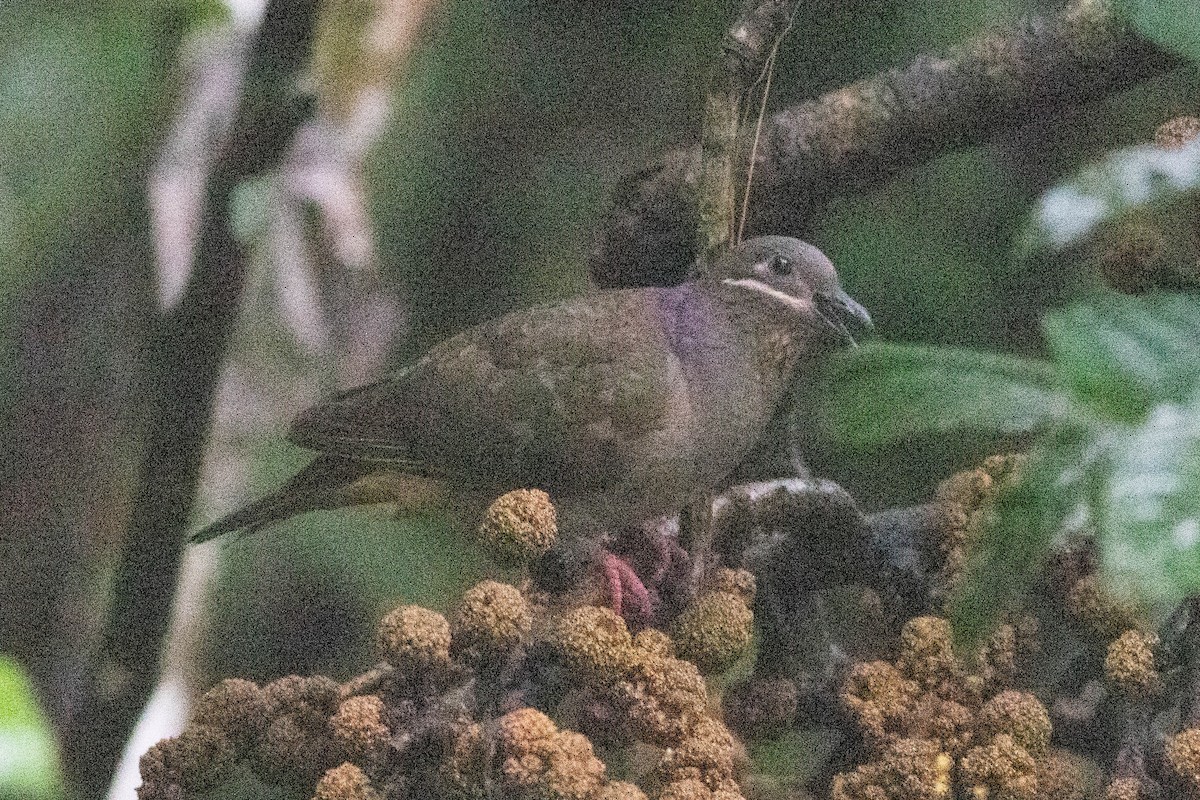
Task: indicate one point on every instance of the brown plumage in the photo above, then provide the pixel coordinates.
(620, 404)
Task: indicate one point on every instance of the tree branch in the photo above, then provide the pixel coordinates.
(182, 368)
(745, 49)
(863, 134)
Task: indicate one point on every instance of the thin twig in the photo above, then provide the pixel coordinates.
(762, 113)
(183, 366)
(764, 77)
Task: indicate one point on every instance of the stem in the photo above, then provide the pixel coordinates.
(747, 46)
(1189, 705)
(182, 369)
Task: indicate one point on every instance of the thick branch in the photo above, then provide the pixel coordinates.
(183, 365)
(863, 134)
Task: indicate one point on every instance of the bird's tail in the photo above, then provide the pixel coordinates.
(321, 484)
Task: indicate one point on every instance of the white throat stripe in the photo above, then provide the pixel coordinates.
(756, 285)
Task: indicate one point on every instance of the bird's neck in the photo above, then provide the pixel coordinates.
(711, 320)
(757, 315)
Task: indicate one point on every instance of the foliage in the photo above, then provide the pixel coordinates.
(1115, 419)
(1171, 23)
(28, 761)
(1120, 182)
(82, 87)
(939, 390)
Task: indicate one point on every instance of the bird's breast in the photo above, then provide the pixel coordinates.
(735, 372)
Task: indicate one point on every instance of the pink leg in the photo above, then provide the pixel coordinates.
(628, 594)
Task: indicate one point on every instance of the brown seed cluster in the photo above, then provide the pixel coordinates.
(1129, 665)
(538, 760)
(455, 710)
(1182, 755)
(435, 694)
(656, 698)
(935, 727)
(1178, 132)
(964, 501)
(714, 631)
(519, 527)
(415, 640)
(281, 731)
(492, 619)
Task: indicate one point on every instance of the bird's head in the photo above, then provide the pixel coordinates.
(798, 277)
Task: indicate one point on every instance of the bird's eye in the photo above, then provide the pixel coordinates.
(781, 265)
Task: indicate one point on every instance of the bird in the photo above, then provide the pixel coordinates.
(621, 404)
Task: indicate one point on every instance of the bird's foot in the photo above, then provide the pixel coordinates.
(628, 595)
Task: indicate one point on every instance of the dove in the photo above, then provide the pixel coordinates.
(620, 404)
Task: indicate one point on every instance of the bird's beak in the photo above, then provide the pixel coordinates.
(848, 320)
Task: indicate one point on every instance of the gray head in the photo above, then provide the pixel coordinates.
(798, 277)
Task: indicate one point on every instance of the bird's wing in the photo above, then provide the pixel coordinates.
(311, 488)
(566, 392)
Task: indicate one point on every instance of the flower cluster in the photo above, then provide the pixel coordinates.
(935, 729)
(964, 502)
(449, 711)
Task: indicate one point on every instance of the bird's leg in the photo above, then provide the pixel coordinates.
(793, 436)
(668, 554)
(628, 595)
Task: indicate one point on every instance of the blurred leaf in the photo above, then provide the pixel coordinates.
(1123, 355)
(82, 95)
(790, 760)
(900, 249)
(886, 392)
(85, 89)
(1123, 180)
(1149, 512)
(1132, 470)
(1174, 24)
(1025, 519)
(203, 14)
(28, 759)
(1135, 478)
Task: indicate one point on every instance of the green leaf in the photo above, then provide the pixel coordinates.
(1125, 179)
(1174, 24)
(1123, 355)
(1025, 519)
(28, 759)
(883, 393)
(1149, 511)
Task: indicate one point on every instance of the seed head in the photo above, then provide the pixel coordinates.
(519, 527)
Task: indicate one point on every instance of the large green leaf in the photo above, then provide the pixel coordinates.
(1124, 355)
(28, 760)
(1174, 24)
(1149, 511)
(883, 393)
(1123, 180)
